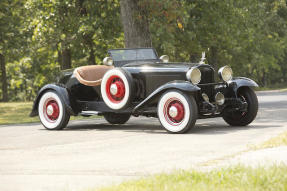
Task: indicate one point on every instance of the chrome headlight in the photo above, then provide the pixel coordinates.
(225, 73)
(194, 75)
(219, 98)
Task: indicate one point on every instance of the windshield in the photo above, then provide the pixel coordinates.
(133, 54)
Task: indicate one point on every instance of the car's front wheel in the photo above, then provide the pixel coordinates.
(243, 118)
(177, 112)
(52, 111)
(117, 118)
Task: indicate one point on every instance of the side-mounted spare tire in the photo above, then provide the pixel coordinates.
(117, 88)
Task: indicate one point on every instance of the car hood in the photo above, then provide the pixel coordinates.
(183, 66)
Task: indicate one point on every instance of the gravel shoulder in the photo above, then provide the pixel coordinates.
(262, 157)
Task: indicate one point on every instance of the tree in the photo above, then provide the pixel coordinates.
(249, 36)
(38, 36)
(4, 78)
(135, 24)
(11, 38)
(54, 25)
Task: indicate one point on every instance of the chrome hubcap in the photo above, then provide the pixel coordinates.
(114, 89)
(50, 110)
(173, 111)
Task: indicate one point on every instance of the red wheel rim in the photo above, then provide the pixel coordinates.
(115, 89)
(51, 110)
(174, 111)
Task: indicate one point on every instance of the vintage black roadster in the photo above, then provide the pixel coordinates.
(137, 82)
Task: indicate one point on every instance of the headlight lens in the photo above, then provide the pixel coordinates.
(219, 98)
(194, 75)
(225, 73)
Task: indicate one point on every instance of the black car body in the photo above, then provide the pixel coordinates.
(189, 90)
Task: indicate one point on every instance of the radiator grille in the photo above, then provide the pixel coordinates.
(207, 75)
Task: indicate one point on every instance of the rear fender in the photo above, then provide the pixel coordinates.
(61, 90)
(178, 84)
(239, 82)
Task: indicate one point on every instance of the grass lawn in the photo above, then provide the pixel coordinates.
(270, 89)
(18, 112)
(232, 178)
(276, 86)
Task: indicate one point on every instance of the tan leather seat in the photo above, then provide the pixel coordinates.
(91, 75)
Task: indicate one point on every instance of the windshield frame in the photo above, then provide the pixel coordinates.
(122, 62)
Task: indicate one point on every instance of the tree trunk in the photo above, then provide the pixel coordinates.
(135, 24)
(60, 58)
(88, 38)
(264, 79)
(92, 57)
(66, 59)
(4, 79)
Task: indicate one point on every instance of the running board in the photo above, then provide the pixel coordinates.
(88, 113)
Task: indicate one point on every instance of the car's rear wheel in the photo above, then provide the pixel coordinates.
(52, 111)
(117, 118)
(243, 118)
(177, 112)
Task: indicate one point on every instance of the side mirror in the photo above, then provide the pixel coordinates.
(108, 61)
(164, 58)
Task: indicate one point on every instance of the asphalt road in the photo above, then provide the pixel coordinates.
(93, 153)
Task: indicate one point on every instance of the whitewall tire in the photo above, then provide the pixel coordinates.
(116, 88)
(177, 112)
(52, 111)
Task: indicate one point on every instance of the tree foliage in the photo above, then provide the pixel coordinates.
(39, 37)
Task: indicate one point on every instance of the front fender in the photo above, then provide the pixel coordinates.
(242, 82)
(61, 90)
(177, 84)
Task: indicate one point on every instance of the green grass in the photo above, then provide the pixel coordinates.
(18, 112)
(269, 89)
(232, 178)
(280, 86)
